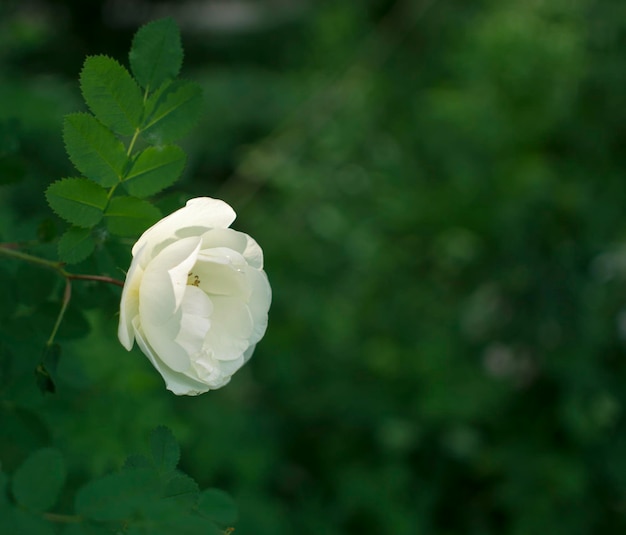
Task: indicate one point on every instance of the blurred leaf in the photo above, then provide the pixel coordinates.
(93, 149)
(218, 506)
(17, 521)
(6, 358)
(137, 461)
(44, 380)
(21, 431)
(182, 490)
(164, 448)
(171, 112)
(76, 245)
(38, 482)
(46, 370)
(111, 94)
(86, 528)
(117, 496)
(12, 168)
(129, 216)
(77, 200)
(46, 231)
(34, 285)
(155, 169)
(156, 54)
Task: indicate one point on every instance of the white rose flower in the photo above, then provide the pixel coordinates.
(196, 297)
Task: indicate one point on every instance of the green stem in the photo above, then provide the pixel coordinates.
(132, 142)
(67, 519)
(67, 295)
(10, 251)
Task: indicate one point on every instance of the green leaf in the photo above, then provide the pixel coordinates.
(137, 461)
(155, 169)
(171, 112)
(156, 54)
(47, 230)
(4, 482)
(117, 496)
(76, 245)
(17, 521)
(218, 506)
(45, 371)
(77, 200)
(111, 94)
(37, 483)
(182, 490)
(165, 450)
(94, 149)
(129, 216)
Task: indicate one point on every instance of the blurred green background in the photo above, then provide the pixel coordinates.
(439, 187)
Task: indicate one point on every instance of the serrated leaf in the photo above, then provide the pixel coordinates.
(76, 245)
(218, 506)
(129, 216)
(156, 54)
(155, 169)
(182, 490)
(117, 496)
(38, 481)
(164, 448)
(77, 200)
(111, 94)
(171, 112)
(94, 149)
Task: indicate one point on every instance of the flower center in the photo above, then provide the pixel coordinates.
(193, 280)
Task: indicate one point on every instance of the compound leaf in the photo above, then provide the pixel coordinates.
(117, 496)
(171, 112)
(76, 245)
(218, 506)
(111, 94)
(155, 169)
(156, 54)
(165, 450)
(94, 149)
(77, 200)
(38, 481)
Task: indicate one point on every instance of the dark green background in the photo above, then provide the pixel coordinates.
(440, 190)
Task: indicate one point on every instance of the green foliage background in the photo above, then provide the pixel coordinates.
(440, 191)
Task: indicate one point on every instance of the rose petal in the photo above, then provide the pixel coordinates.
(231, 328)
(160, 297)
(259, 302)
(179, 384)
(195, 323)
(129, 302)
(222, 272)
(237, 241)
(202, 212)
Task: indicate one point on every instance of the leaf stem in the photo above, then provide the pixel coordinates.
(100, 278)
(9, 250)
(67, 295)
(132, 142)
(67, 519)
